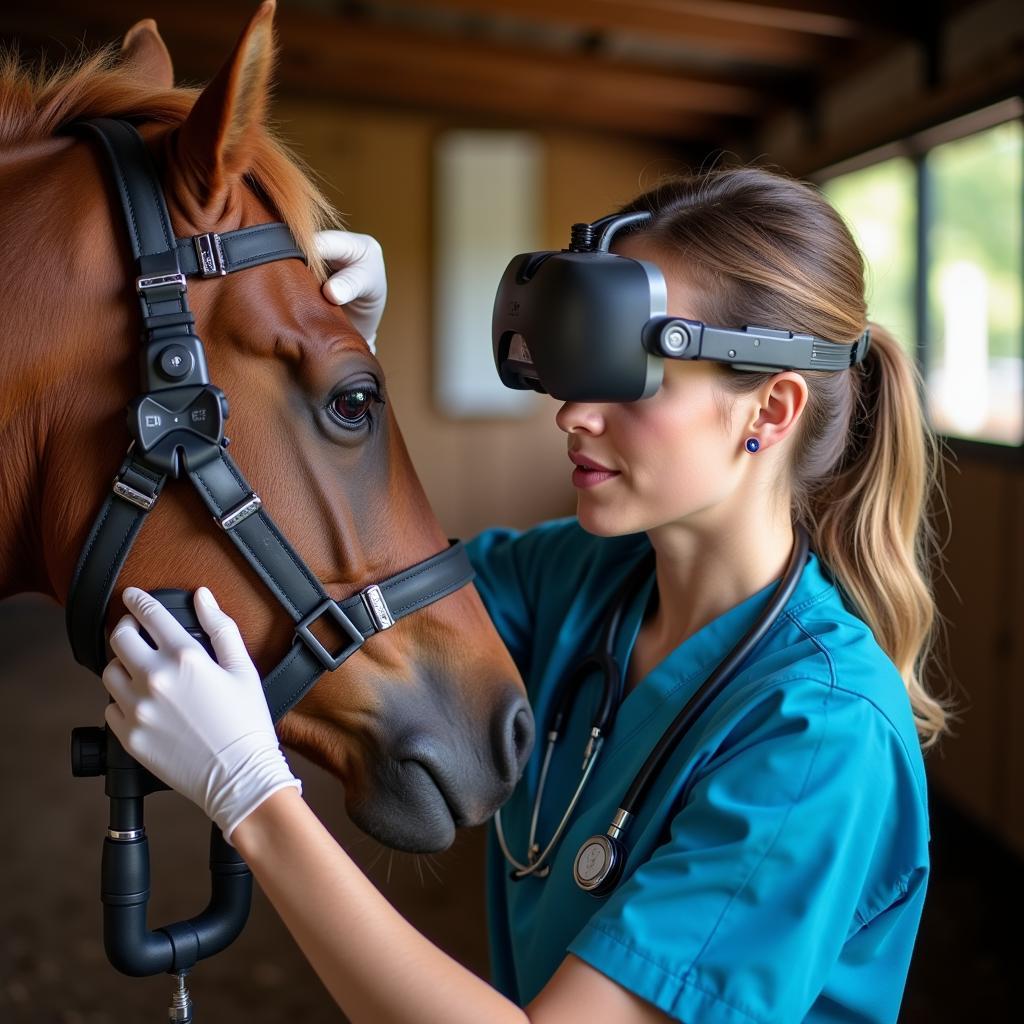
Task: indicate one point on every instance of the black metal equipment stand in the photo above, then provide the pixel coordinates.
(124, 888)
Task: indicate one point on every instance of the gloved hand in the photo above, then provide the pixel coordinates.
(202, 727)
(359, 282)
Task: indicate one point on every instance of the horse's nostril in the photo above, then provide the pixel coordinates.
(513, 739)
(522, 735)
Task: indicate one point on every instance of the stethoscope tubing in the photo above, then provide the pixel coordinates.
(603, 659)
(538, 865)
(716, 682)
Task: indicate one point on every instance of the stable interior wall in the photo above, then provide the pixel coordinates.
(977, 59)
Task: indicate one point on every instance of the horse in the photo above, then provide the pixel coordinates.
(427, 726)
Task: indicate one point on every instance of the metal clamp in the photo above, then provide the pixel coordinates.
(210, 255)
(860, 348)
(239, 513)
(377, 607)
(126, 835)
(147, 283)
(143, 501)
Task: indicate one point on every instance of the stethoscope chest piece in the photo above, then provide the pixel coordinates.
(598, 865)
(600, 860)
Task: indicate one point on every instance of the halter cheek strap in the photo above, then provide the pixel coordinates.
(177, 427)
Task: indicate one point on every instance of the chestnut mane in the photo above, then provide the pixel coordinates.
(37, 102)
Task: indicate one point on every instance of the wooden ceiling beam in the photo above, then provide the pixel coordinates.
(840, 19)
(353, 56)
(730, 38)
(508, 106)
(969, 92)
(562, 78)
(332, 59)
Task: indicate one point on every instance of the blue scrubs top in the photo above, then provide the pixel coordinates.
(777, 869)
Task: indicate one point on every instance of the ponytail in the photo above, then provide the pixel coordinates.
(869, 524)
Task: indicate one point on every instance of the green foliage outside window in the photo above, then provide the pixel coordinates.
(878, 204)
(976, 217)
(974, 344)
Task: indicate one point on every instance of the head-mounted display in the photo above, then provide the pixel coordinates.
(586, 325)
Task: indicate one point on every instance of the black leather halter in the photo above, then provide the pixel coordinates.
(177, 428)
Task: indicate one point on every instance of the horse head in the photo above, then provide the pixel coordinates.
(427, 725)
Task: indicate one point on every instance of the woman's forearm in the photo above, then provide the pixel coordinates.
(374, 963)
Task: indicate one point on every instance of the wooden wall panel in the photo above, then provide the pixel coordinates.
(966, 766)
(1012, 792)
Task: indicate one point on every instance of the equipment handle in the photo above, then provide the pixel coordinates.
(124, 890)
(134, 950)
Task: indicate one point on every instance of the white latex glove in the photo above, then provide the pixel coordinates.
(202, 727)
(358, 282)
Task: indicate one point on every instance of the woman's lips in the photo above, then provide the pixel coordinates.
(589, 473)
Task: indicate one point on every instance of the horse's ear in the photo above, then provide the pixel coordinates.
(143, 48)
(214, 143)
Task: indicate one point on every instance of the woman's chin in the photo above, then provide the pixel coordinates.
(605, 521)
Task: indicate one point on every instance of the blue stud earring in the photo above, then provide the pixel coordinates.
(752, 444)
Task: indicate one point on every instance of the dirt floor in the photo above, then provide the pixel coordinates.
(53, 969)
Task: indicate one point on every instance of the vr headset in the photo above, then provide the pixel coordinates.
(586, 325)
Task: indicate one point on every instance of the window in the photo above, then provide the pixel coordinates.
(487, 191)
(939, 220)
(976, 383)
(879, 205)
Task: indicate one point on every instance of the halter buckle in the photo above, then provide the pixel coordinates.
(241, 512)
(209, 254)
(130, 494)
(329, 661)
(377, 608)
(149, 282)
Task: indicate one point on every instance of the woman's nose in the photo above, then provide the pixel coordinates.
(580, 417)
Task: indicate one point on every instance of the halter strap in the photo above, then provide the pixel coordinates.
(177, 425)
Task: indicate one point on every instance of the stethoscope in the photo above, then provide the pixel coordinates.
(600, 860)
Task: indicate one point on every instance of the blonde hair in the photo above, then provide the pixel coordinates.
(765, 249)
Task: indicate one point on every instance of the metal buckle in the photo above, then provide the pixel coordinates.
(144, 283)
(143, 501)
(240, 513)
(209, 254)
(377, 608)
(324, 656)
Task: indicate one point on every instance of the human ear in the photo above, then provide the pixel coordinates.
(780, 403)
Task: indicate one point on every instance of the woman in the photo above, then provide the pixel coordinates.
(778, 868)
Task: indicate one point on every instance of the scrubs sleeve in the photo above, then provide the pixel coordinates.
(803, 827)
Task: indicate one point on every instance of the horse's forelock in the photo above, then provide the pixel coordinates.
(37, 102)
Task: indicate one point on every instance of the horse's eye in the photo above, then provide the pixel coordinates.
(353, 405)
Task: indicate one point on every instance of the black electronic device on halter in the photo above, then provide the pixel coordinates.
(584, 324)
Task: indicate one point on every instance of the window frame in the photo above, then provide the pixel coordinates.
(916, 148)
